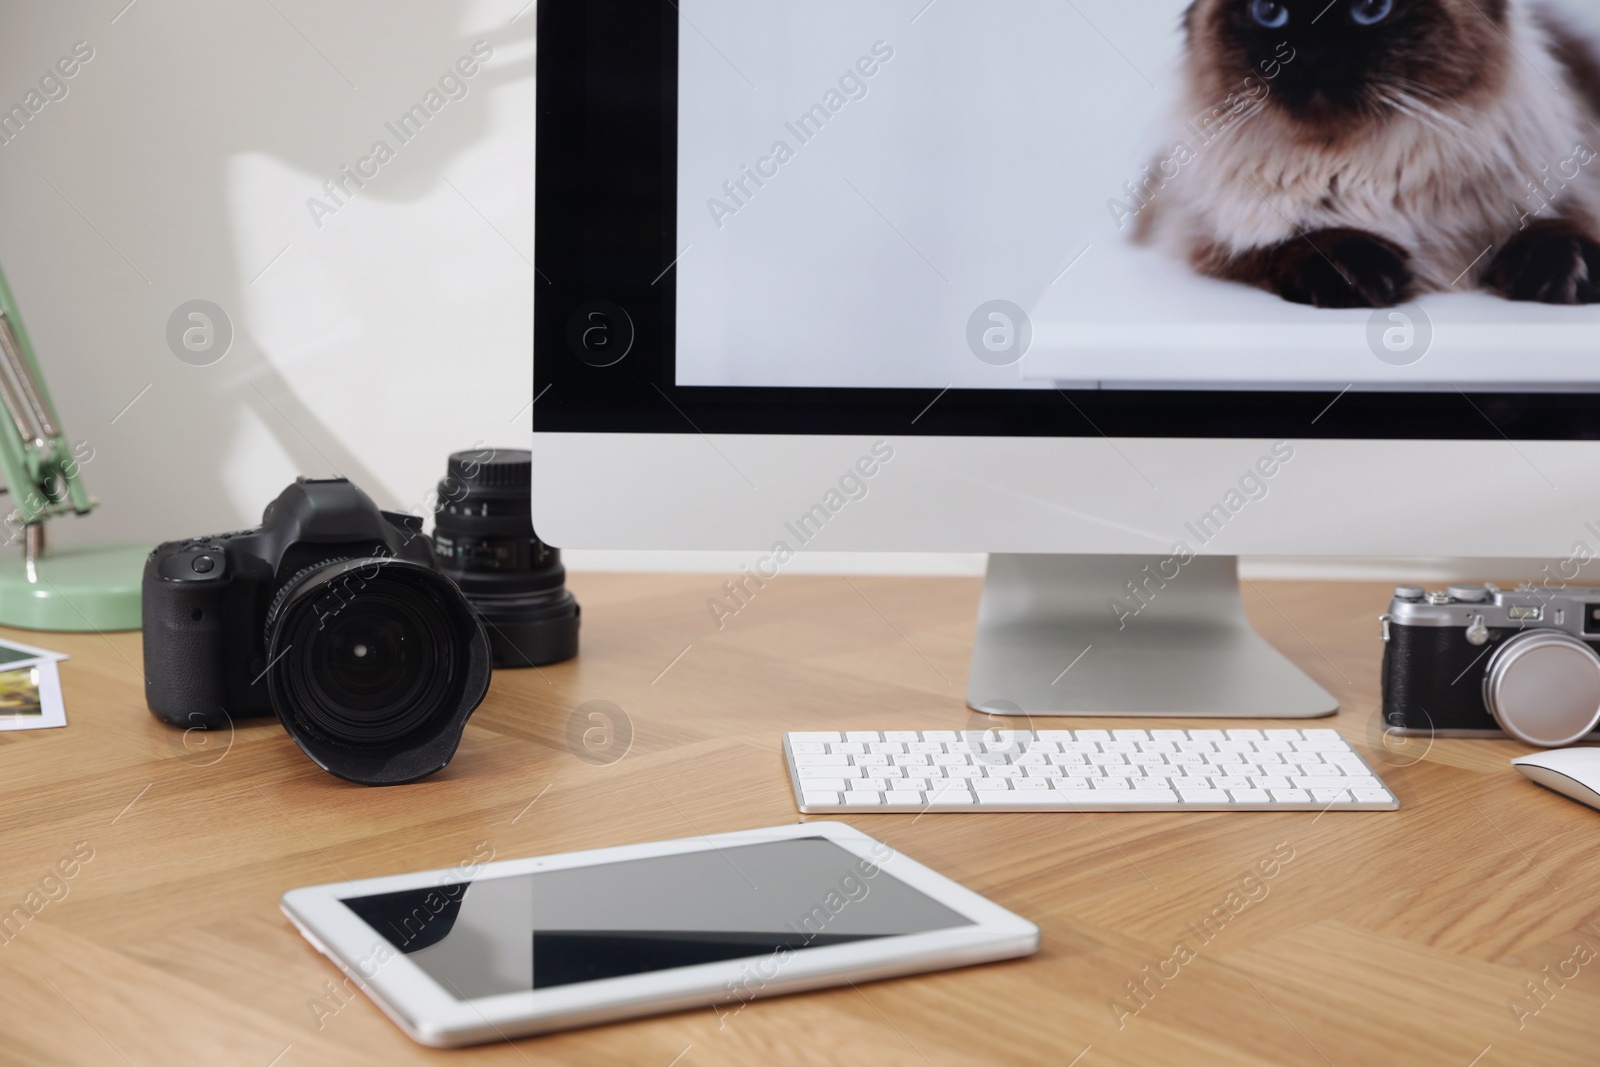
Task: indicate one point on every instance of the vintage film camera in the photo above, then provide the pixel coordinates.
(1477, 660)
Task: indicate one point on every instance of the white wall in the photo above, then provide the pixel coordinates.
(178, 166)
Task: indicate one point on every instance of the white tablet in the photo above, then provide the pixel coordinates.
(490, 951)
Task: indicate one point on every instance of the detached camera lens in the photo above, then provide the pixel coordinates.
(485, 542)
(375, 666)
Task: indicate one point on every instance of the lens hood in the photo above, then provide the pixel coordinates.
(374, 667)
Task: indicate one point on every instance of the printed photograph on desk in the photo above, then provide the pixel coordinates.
(1241, 194)
(14, 654)
(30, 697)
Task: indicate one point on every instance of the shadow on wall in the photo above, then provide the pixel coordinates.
(215, 152)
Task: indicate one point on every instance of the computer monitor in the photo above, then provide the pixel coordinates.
(1113, 292)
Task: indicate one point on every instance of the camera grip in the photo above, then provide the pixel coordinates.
(184, 650)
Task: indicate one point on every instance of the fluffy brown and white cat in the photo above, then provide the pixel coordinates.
(1378, 149)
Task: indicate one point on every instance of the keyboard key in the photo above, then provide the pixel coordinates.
(867, 785)
(1323, 735)
(903, 798)
(821, 800)
(808, 748)
(862, 800)
(1250, 796)
(871, 760)
(902, 736)
(823, 785)
(1243, 735)
(1069, 785)
(1031, 784)
(1202, 796)
(1361, 782)
(940, 735)
(1329, 796)
(1120, 798)
(1012, 798)
(1372, 796)
(821, 760)
(964, 772)
(1130, 735)
(863, 735)
(1093, 735)
(951, 798)
(990, 785)
(849, 748)
(825, 735)
(829, 772)
(1231, 783)
(1271, 781)
(1291, 796)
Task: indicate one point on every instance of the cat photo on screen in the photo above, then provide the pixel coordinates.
(1371, 151)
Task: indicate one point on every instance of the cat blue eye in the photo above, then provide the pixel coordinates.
(1371, 12)
(1273, 15)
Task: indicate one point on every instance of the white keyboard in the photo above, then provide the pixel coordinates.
(1080, 770)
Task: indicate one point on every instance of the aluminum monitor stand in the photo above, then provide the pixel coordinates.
(1051, 641)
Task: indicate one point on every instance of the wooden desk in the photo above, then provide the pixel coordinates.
(1388, 938)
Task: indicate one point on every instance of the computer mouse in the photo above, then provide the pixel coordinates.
(1572, 772)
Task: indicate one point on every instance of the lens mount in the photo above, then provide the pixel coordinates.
(374, 667)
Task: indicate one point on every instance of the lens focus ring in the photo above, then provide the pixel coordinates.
(375, 665)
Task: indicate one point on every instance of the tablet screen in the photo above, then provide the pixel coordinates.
(515, 933)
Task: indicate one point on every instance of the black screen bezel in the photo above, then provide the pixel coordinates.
(606, 209)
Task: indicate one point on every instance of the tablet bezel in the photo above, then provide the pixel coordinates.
(433, 1016)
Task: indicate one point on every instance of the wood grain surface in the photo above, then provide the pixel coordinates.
(1461, 930)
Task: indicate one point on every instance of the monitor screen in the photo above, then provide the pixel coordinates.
(1375, 195)
(1352, 219)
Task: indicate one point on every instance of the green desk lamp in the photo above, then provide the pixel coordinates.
(73, 589)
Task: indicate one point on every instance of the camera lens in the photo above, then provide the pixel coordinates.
(485, 542)
(375, 665)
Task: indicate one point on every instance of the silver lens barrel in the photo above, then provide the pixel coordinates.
(1543, 687)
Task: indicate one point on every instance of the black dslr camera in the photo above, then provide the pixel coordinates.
(1477, 660)
(332, 614)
